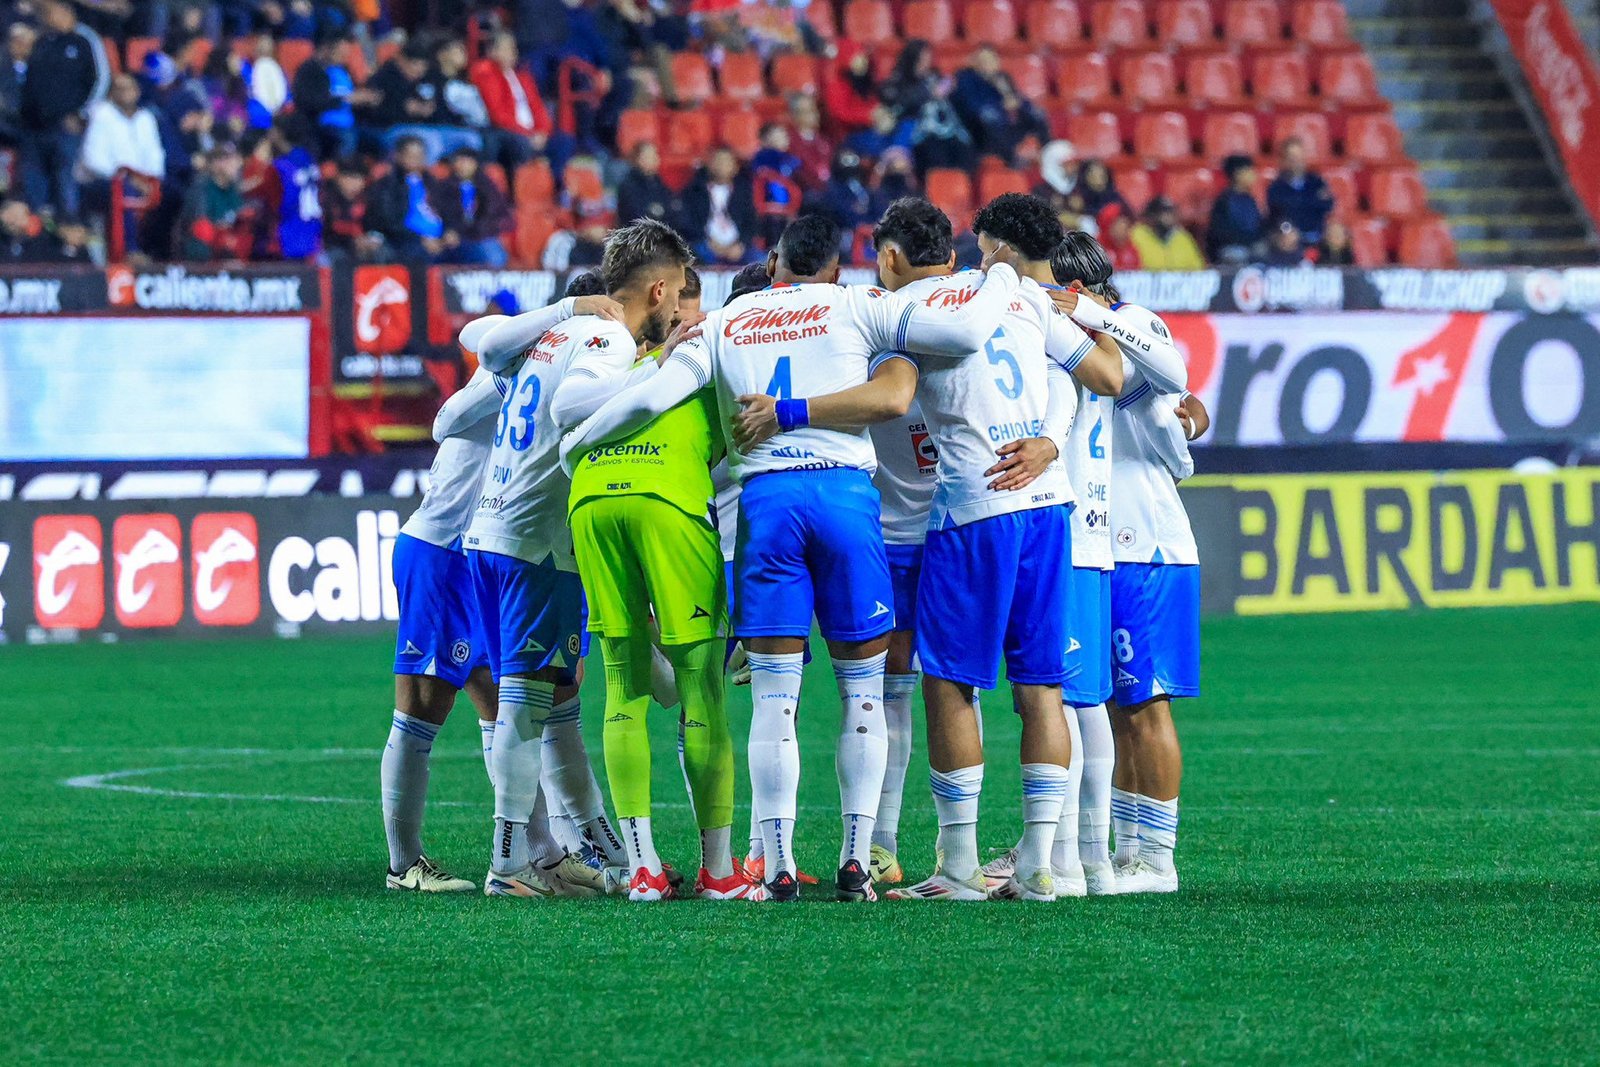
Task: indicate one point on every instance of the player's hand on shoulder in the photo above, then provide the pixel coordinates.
(687, 330)
(1065, 300)
(1021, 462)
(598, 305)
(1196, 419)
(756, 422)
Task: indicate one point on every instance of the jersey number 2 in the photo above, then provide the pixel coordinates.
(1001, 356)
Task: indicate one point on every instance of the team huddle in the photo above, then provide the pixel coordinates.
(949, 473)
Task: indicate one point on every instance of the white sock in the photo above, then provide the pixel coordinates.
(663, 683)
(1043, 787)
(569, 777)
(1125, 824)
(758, 847)
(1094, 795)
(543, 848)
(404, 778)
(1064, 851)
(898, 690)
(716, 851)
(524, 705)
(641, 845)
(1158, 831)
(775, 753)
(486, 732)
(861, 753)
(561, 826)
(955, 799)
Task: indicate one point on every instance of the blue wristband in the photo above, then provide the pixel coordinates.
(792, 414)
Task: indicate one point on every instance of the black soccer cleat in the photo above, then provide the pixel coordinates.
(855, 883)
(783, 888)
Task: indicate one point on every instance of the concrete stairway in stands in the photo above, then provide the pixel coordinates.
(1484, 168)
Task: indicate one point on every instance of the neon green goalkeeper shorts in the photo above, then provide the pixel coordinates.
(637, 553)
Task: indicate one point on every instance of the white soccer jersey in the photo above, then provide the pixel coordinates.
(457, 472)
(1089, 451)
(726, 503)
(1151, 456)
(976, 403)
(908, 474)
(522, 511)
(799, 341)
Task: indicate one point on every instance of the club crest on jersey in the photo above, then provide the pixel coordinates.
(598, 342)
(460, 651)
(1125, 536)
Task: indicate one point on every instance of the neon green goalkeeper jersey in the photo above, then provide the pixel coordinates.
(670, 458)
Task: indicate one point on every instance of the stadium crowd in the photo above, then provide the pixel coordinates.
(232, 130)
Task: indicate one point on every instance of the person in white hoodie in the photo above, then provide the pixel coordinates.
(120, 135)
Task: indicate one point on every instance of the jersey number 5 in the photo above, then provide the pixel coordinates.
(1000, 356)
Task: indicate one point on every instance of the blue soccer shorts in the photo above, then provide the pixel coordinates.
(533, 614)
(1091, 638)
(811, 542)
(998, 589)
(440, 632)
(905, 572)
(1155, 631)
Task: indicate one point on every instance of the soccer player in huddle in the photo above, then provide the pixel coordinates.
(810, 539)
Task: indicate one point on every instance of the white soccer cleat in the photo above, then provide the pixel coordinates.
(998, 870)
(1142, 878)
(523, 883)
(1100, 880)
(1037, 886)
(1070, 882)
(425, 876)
(943, 887)
(572, 877)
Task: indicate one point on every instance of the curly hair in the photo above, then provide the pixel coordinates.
(922, 231)
(1024, 222)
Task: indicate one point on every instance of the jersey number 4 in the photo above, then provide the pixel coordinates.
(518, 424)
(782, 385)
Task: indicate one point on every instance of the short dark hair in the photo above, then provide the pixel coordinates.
(691, 283)
(922, 231)
(768, 127)
(1232, 165)
(809, 244)
(1079, 257)
(1023, 221)
(752, 278)
(638, 246)
(401, 143)
(587, 283)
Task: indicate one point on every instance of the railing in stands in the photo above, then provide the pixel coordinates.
(146, 195)
(569, 95)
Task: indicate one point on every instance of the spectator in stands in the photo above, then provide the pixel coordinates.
(325, 91)
(516, 109)
(1285, 246)
(912, 83)
(72, 242)
(1297, 195)
(1115, 225)
(227, 92)
(474, 211)
(850, 93)
(583, 246)
(587, 40)
(268, 86)
(719, 211)
(400, 205)
(215, 222)
(461, 102)
(1162, 242)
(894, 176)
(1097, 188)
(344, 216)
(291, 192)
(885, 132)
(407, 103)
(1335, 249)
(642, 194)
(1057, 179)
(846, 199)
(774, 154)
(995, 114)
(67, 71)
(635, 30)
(20, 39)
(120, 135)
(1236, 231)
(21, 238)
(814, 151)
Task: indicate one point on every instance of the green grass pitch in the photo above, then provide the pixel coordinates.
(1388, 853)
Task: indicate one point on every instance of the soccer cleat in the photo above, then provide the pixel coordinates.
(943, 887)
(1037, 886)
(523, 883)
(1100, 880)
(781, 890)
(616, 880)
(854, 883)
(885, 867)
(734, 887)
(997, 870)
(1140, 877)
(425, 876)
(1070, 883)
(571, 877)
(647, 887)
(674, 879)
(756, 867)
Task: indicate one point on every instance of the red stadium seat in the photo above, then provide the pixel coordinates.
(740, 130)
(1398, 192)
(1230, 133)
(1345, 189)
(1119, 24)
(534, 184)
(1136, 186)
(1347, 79)
(950, 57)
(1312, 129)
(1251, 22)
(950, 190)
(688, 134)
(1215, 79)
(1148, 79)
(636, 126)
(1028, 74)
(692, 76)
(1369, 242)
(535, 225)
(820, 18)
(869, 22)
(1053, 23)
(740, 77)
(1373, 138)
(291, 53)
(794, 72)
(989, 22)
(1427, 243)
(1319, 23)
(139, 47)
(581, 180)
(1084, 78)
(996, 180)
(1192, 189)
(1185, 24)
(1095, 134)
(1281, 79)
(929, 20)
(1162, 137)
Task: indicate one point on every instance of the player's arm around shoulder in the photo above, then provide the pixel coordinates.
(684, 371)
(479, 399)
(1100, 369)
(907, 325)
(603, 354)
(886, 394)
